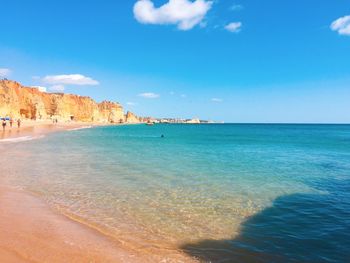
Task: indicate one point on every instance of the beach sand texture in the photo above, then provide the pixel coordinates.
(31, 231)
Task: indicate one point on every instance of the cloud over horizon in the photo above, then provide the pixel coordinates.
(4, 72)
(185, 14)
(40, 88)
(70, 79)
(149, 95)
(342, 25)
(57, 88)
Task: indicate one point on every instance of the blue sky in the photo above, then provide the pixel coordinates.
(237, 61)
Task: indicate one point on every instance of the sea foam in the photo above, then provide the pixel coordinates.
(81, 128)
(21, 139)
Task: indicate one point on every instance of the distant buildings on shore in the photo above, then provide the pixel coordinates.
(175, 121)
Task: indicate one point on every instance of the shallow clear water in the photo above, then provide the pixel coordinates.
(221, 193)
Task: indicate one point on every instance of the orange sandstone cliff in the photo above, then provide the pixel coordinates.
(131, 118)
(17, 101)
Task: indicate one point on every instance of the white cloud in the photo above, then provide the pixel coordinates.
(131, 103)
(57, 88)
(149, 95)
(172, 93)
(184, 13)
(234, 27)
(217, 100)
(236, 7)
(40, 88)
(183, 96)
(72, 79)
(4, 72)
(342, 25)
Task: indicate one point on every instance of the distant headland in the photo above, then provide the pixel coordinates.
(23, 102)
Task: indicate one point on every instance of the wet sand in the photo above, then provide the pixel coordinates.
(32, 231)
(37, 128)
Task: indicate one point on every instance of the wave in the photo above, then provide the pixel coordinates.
(81, 128)
(21, 139)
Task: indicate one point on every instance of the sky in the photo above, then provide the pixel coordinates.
(233, 61)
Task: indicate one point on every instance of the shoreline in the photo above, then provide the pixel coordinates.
(30, 128)
(39, 128)
(32, 230)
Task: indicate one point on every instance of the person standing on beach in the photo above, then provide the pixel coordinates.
(19, 123)
(3, 124)
(11, 122)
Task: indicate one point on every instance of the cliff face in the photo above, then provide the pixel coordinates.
(131, 118)
(17, 101)
(111, 111)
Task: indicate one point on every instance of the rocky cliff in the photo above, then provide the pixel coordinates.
(17, 101)
(131, 118)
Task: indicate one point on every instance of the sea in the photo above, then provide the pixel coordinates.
(214, 192)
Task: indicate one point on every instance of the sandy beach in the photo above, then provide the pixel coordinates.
(174, 131)
(37, 128)
(32, 231)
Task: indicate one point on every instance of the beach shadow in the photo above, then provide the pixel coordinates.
(296, 228)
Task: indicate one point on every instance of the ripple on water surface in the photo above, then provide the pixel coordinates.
(214, 191)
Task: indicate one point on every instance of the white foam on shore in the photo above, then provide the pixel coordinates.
(81, 128)
(21, 139)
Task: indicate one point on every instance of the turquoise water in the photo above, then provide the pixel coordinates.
(220, 193)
